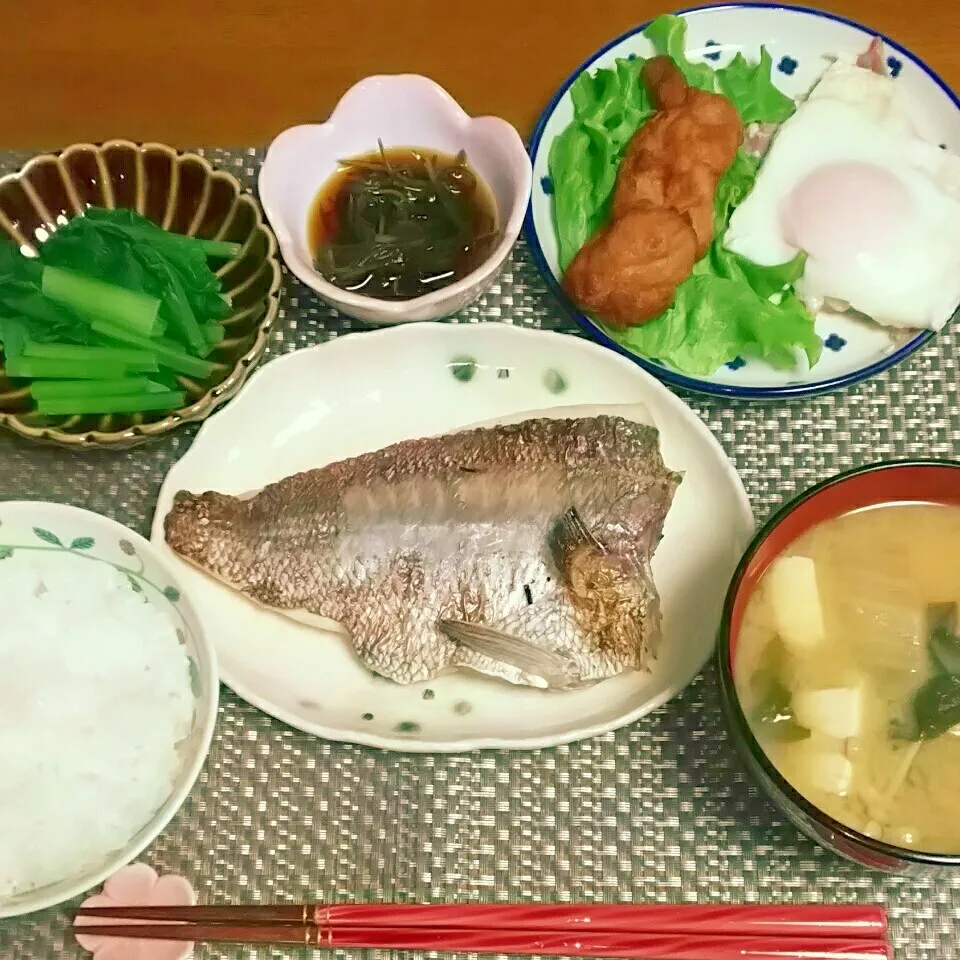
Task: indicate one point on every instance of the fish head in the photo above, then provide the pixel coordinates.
(611, 593)
(613, 597)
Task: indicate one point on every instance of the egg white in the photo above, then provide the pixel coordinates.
(903, 266)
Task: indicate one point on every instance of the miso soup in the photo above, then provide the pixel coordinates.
(847, 665)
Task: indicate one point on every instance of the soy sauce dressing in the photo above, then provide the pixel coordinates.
(401, 222)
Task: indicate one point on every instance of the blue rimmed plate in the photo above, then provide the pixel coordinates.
(800, 42)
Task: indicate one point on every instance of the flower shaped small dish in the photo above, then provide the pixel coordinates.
(137, 885)
(395, 111)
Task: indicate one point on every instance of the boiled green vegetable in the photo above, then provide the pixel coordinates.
(93, 299)
(26, 368)
(139, 228)
(111, 296)
(68, 351)
(68, 389)
(101, 244)
(213, 333)
(126, 403)
(168, 353)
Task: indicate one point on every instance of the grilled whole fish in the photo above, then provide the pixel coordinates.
(522, 551)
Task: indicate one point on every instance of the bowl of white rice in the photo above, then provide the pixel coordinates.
(108, 698)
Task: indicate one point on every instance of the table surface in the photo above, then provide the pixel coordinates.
(239, 71)
(660, 811)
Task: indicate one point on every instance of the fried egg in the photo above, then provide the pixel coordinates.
(849, 181)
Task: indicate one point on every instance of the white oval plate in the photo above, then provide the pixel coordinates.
(364, 391)
(799, 41)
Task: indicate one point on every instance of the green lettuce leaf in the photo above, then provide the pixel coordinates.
(714, 320)
(750, 89)
(586, 173)
(766, 282)
(729, 307)
(733, 188)
(668, 34)
(609, 106)
(724, 309)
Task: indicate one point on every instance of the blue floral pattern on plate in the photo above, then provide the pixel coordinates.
(787, 65)
(835, 343)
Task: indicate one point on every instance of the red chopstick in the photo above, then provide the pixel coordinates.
(852, 922)
(648, 946)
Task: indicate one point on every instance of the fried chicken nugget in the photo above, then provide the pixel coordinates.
(628, 271)
(662, 211)
(677, 157)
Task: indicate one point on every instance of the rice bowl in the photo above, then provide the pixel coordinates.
(108, 697)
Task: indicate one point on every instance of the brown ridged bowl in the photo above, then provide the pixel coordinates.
(181, 192)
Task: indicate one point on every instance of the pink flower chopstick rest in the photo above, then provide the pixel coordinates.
(137, 885)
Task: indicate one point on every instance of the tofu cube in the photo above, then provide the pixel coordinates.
(835, 712)
(808, 765)
(791, 584)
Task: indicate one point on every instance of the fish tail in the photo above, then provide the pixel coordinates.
(199, 526)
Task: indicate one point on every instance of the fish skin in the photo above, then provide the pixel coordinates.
(457, 528)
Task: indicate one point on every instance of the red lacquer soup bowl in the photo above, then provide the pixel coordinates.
(913, 481)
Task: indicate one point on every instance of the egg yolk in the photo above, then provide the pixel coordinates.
(847, 212)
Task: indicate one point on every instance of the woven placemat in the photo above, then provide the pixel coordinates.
(660, 811)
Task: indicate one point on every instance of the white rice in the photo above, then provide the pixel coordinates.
(94, 696)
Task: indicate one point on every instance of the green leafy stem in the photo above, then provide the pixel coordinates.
(79, 547)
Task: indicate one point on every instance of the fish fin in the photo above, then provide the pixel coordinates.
(571, 532)
(553, 668)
